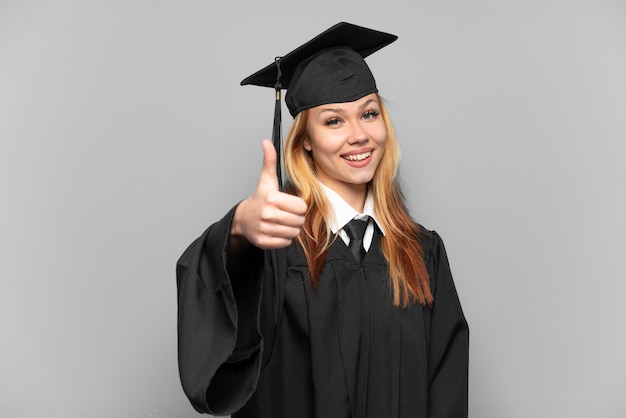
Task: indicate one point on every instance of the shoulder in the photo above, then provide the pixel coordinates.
(431, 240)
(433, 247)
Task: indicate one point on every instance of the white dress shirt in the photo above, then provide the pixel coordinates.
(342, 213)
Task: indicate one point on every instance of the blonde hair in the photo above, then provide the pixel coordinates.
(401, 243)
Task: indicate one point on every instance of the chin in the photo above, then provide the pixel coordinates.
(362, 181)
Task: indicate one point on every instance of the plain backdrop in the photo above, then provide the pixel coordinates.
(124, 133)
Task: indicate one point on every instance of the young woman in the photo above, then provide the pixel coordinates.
(285, 310)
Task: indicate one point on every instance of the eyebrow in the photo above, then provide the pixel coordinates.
(338, 110)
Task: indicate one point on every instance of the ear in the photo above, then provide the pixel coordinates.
(307, 144)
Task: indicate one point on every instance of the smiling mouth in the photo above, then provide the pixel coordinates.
(357, 157)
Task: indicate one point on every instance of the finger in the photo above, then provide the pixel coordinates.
(275, 236)
(276, 218)
(268, 172)
(287, 202)
(269, 243)
(275, 230)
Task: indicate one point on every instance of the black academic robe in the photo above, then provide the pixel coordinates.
(265, 343)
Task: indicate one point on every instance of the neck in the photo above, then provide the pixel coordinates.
(355, 196)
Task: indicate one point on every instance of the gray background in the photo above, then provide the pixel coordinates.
(124, 133)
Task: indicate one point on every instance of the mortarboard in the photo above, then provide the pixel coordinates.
(330, 68)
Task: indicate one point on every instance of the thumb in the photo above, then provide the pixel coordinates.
(268, 172)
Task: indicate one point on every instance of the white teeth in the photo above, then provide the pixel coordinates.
(358, 157)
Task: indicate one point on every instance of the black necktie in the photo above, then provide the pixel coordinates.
(355, 230)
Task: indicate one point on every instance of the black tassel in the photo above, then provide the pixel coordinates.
(276, 131)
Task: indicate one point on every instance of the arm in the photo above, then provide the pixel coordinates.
(219, 347)
(449, 343)
(219, 280)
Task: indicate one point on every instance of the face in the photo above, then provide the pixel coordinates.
(347, 141)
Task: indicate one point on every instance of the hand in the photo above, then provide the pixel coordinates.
(269, 218)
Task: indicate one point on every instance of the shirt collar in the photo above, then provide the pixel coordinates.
(342, 212)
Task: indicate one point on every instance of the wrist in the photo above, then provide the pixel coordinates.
(236, 236)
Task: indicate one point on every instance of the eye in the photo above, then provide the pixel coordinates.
(371, 114)
(333, 121)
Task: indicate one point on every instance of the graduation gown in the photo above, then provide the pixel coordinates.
(265, 343)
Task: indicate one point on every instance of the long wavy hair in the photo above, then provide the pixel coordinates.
(401, 244)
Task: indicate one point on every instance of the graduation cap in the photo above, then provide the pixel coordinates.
(330, 68)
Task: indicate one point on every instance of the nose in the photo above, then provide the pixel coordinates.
(358, 134)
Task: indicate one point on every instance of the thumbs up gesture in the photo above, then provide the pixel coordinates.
(269, 218)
